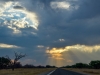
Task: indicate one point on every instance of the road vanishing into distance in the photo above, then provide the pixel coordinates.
(64, 72)
(60, 71)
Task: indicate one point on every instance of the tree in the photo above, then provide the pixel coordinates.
(18, 65)
(4, 62)
(81, 65)
(68, 66)
(95, 64)
(49, 66)
(17, 57)
(29, 66)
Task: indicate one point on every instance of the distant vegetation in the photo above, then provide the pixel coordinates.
(95, 64)
(7, 63)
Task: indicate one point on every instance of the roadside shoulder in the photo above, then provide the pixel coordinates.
(48, 73)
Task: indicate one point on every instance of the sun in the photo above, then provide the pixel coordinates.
(55, 56)
(56, 53)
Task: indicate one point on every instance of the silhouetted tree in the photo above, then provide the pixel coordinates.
(17, 57)
(48, 66)
(28, 66)
(18, 65)
(40, 66)
(53, 66)
(68, 66)
(4, 62)
(95, 64)
(78, 65)
(73, 66)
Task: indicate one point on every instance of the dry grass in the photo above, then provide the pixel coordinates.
(86, 71)
(23, 71)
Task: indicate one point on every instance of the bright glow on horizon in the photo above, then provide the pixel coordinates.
(61, 55)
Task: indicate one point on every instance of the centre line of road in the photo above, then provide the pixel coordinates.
(51, 72)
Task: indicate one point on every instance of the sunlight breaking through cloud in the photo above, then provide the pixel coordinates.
(82, 48)
(62, 32)
(70, 54)
(17, 19)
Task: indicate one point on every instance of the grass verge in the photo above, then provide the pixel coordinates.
(86, 71)
(25, 71)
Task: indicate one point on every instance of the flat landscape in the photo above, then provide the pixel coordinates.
(39, 71)
(49, 37)
(27, 71)
(86, 71)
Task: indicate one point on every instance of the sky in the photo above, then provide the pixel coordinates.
(54, 32)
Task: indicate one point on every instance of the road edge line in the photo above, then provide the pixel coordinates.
(51, 72)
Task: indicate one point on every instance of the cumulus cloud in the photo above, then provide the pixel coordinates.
(67, 28)
(40, 46)
(18, 7)
(18, 19)
(65, 4)
(2, 45)
(61, 40)
(73, 54)
(62, 5)
(78, 47)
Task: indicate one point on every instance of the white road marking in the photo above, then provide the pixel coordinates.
(50, 72)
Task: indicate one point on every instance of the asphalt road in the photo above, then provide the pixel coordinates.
(64, 72)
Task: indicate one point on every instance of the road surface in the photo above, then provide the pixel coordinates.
(64, 72)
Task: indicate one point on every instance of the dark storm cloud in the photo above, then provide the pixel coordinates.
(56, 24)
(87, 9)
(75, 26)
(18, 7)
